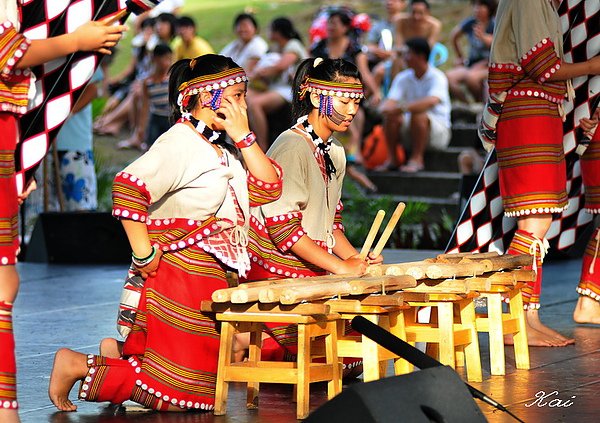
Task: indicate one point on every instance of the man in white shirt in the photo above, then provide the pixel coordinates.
(417, 108)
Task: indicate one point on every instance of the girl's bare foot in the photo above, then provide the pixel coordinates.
(69, 367)
(9, 416)
(587, 310)
(536, 338)
(533, 321)
(111, 348)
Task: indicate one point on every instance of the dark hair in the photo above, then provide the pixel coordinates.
(286, 28)
(419, 46)
(345, 17)
(333, 70)
(245, 16)
(186, 21)
(161, 50)
(181, 72)
(425, 2)
(171, 20)
(147, 22)
(491, 5)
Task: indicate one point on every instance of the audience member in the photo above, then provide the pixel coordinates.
(249, 47)
(188, 44)
(418, 23)
(472, 71)
(342, 43)
(417, 108)
(155, 110)
(279, 92)
(74, 145)
(380, 39)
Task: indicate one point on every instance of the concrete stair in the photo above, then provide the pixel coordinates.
(439, 184)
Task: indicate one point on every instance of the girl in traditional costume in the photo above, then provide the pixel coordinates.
(530, 80)
(301, 234)
(185, 208)
(17, 55)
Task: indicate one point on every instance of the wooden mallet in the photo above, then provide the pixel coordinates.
(387, 232)
(372, 234)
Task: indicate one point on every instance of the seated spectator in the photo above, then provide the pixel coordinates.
(473, 70)
(165, 6)
(249, 47)
(380, 38)
(417, 23)
(417, 108)
(189, 45)
(127, 110)
(155, 110)
(279, 92)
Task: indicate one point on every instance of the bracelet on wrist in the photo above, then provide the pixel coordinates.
(141, 262)
(247, 141)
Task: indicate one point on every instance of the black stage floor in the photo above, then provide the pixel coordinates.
(75, 306)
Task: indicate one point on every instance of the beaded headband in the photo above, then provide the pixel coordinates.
(330, 88)
(214, 82)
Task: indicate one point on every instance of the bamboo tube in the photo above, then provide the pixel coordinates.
(508, 261)
(395, 299)
(451, 258)
(387, 232)
(450, 270)
(379, 284)
(364, 252)
(296, 295)
(398, 268)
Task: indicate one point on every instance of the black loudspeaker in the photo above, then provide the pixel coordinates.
(78, 237)
(436, 394)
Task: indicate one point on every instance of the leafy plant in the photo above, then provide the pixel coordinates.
(104, 178)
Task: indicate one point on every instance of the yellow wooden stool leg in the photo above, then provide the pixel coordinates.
(222, 386)
(496, 333)
(446, 333)
(334, 386)
(433, 348)
(520, 338)
(303, 393)
(472, 354)
(398, 328)
(370, 354)
(254, 357)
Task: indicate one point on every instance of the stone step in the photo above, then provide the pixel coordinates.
(465, 135)
(424, 184)
(443, 161)
(437, 206)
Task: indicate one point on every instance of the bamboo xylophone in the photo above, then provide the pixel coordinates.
(450, 273)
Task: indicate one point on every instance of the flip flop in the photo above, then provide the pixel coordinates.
(412, 167)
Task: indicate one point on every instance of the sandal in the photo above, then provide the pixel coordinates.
(127, 144)
(412, 167)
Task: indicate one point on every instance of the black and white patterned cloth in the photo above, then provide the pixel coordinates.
(482, 225)
(59, 82)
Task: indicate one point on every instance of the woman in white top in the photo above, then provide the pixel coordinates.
(249, 47)
(279, 92)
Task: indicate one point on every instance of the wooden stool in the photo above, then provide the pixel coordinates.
(386, 311)
(497, 323)
(312, 319)
(446, 333)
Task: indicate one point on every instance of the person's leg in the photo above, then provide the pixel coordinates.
(474, 81)
(260, 105)
(456, 77)
(529, 240)
(419, 137)
(587, 309)
(9, 278)
(69, 367)
(110, 347)
(392, 125)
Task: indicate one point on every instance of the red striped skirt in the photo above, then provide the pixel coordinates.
(9, 209)
(173, 347)
(531, 162)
